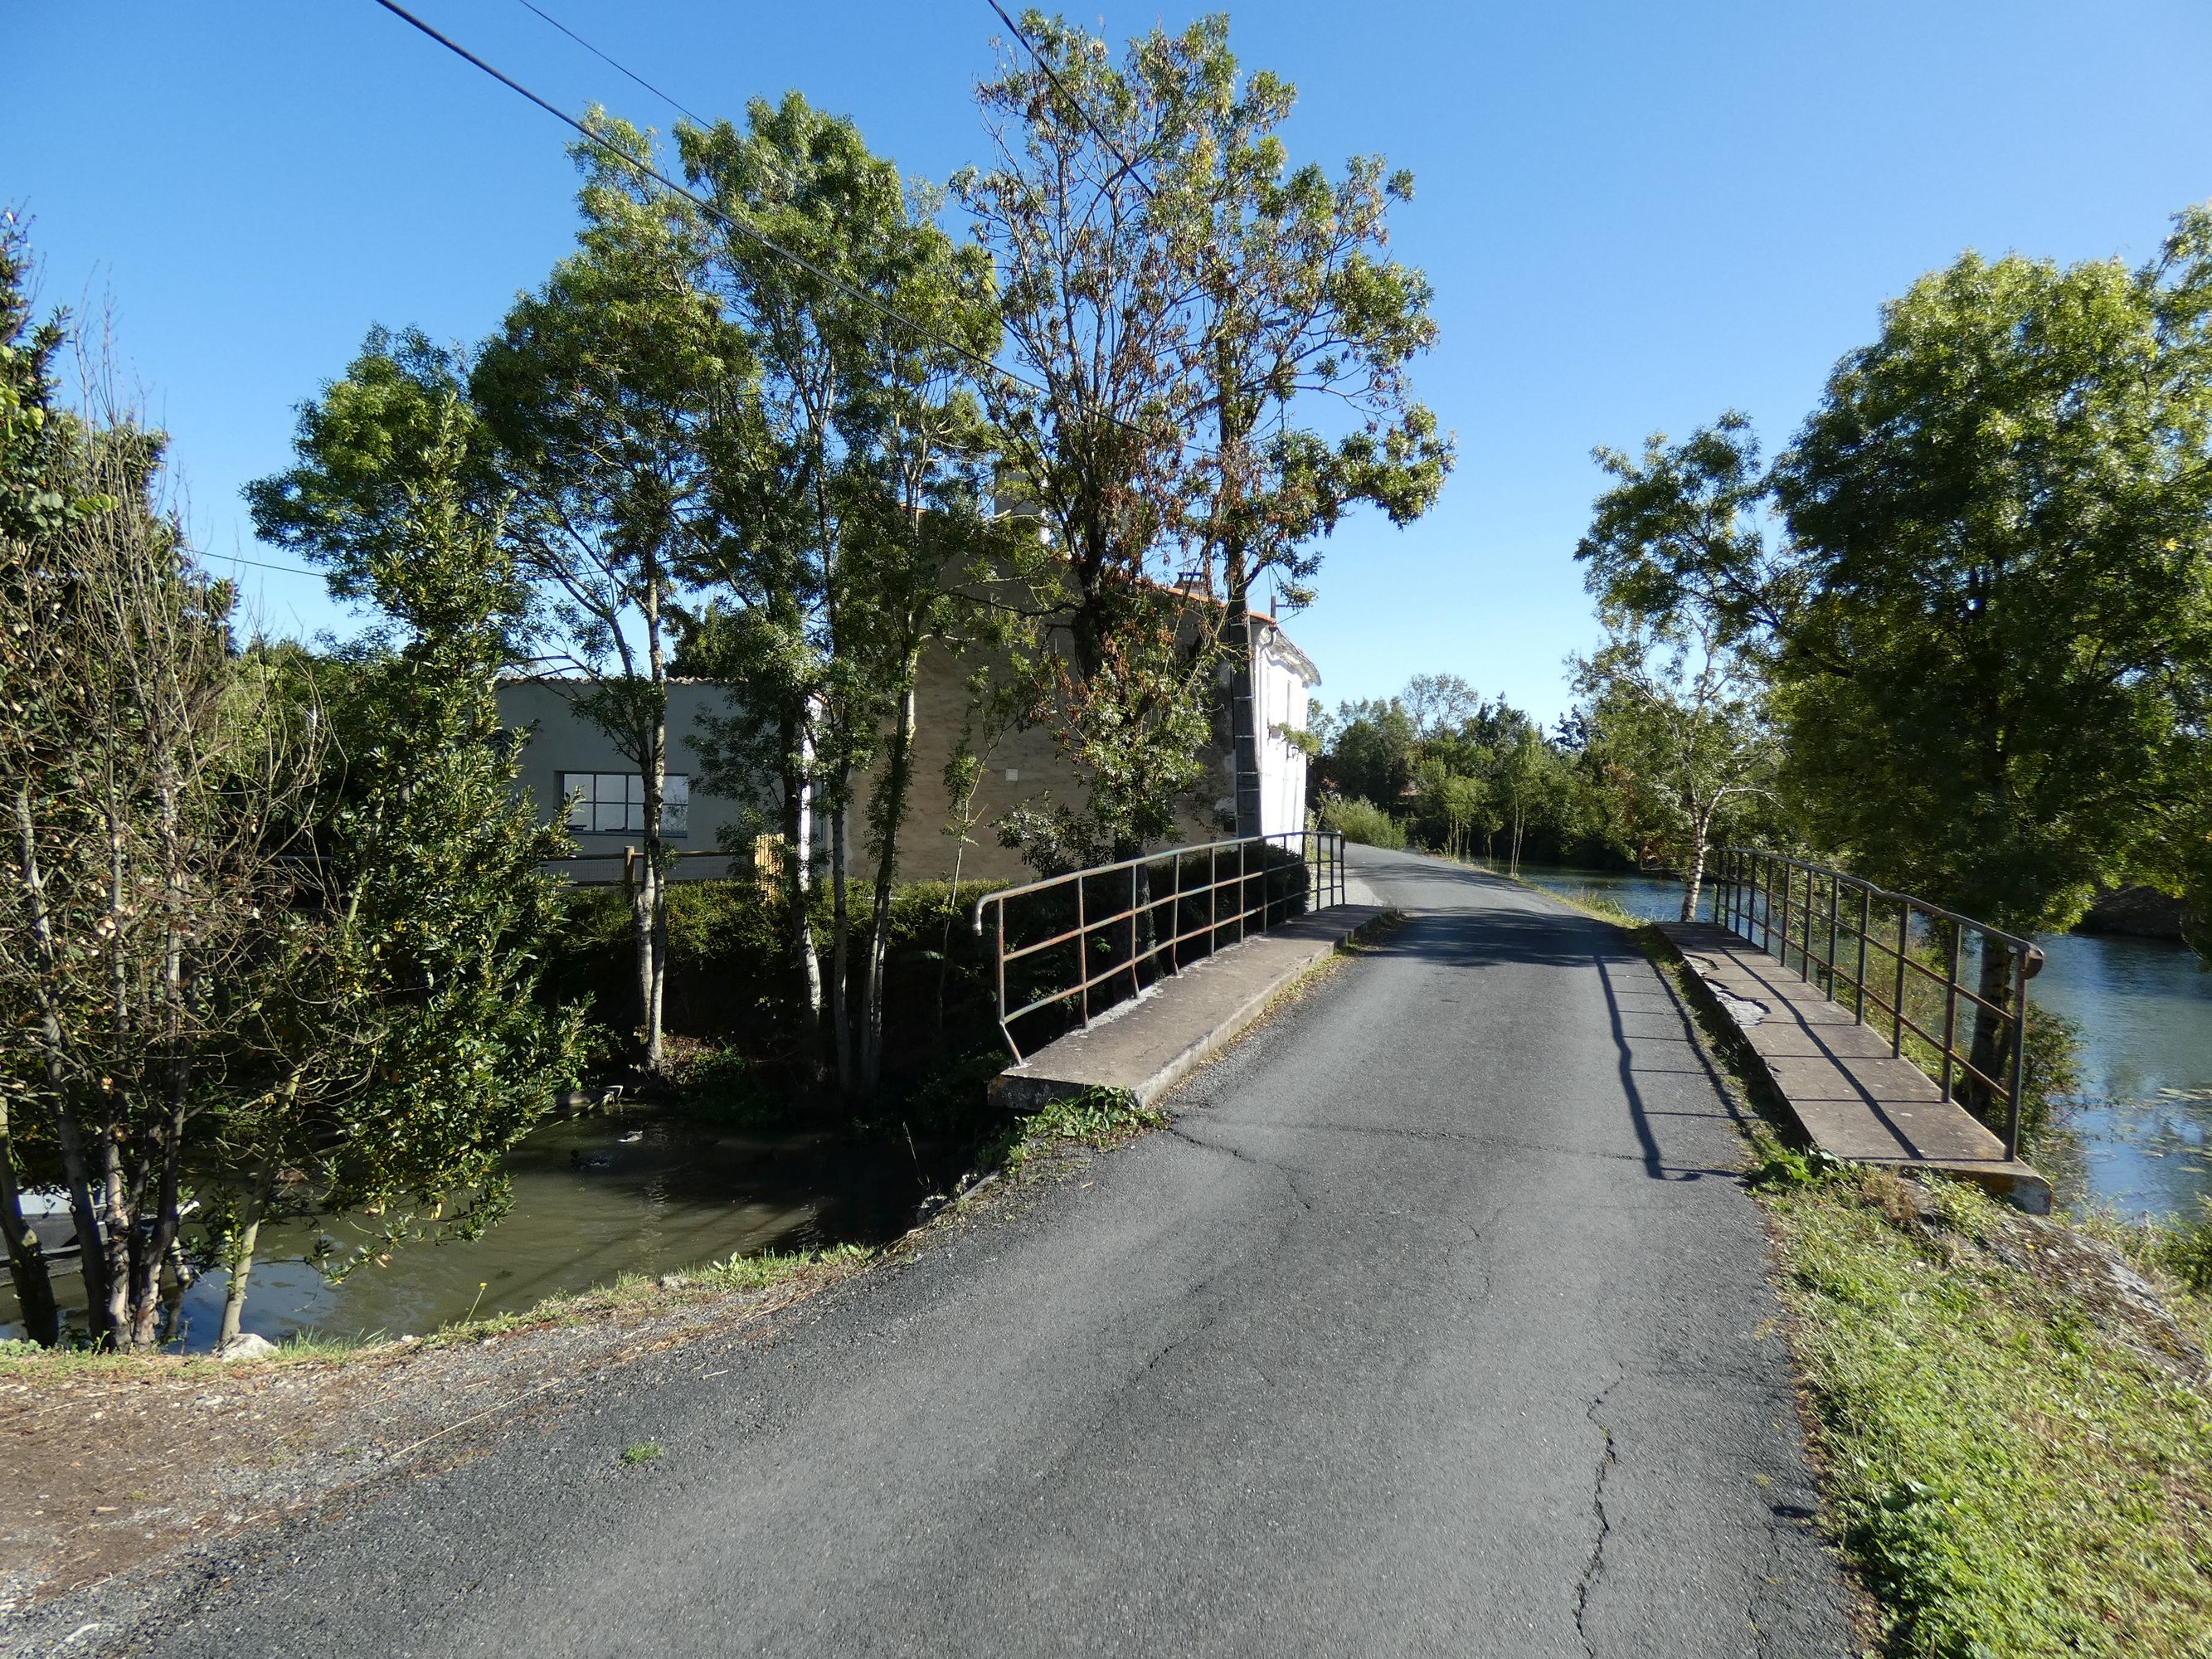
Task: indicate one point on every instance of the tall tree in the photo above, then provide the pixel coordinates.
(1990, 622)
(153, 792)
(407, 1048)
(1674, 724)
(1298, 317)
(1098, 307)
(36, 501)
(861, 521)
(604, 391)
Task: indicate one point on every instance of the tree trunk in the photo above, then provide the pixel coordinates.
(239, 1260)
(651, 917)
(889, 815)
(840, 935)
(1243, 721)
(27, 1259)
(1695, 881)
(806, 966)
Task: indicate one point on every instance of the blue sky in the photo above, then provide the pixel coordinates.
(1634, 215)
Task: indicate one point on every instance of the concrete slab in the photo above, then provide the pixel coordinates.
(1148, 1045)
(1852, 1097)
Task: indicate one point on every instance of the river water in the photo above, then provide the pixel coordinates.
(2143, 1121)
(594, 1198)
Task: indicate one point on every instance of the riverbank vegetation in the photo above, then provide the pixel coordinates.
(2009, 1414)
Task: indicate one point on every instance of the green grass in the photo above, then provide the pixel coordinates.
(642, 1451)
(2008, 1471)
(2013, 1460)
(1097, 1118)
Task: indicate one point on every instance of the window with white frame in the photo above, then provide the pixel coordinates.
(613, 803)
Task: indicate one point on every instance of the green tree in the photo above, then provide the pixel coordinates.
(606, 391)
(406, 1048)
(153, 793)
(857, 522)
(1990, 622)
(1675, 727)
(1296, 310)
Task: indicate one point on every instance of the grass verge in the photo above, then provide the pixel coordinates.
(2010, 1416)
(2014, 1438)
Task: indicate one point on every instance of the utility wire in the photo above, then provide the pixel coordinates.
(258, 564)
(660, 178)
(612, 64)
(1058, 86)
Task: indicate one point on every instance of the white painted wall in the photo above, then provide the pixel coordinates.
(1283, 679)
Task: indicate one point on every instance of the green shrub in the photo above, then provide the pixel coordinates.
(1363, 822)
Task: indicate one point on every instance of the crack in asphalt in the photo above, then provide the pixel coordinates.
(1595, 1565)
(1290, 1176)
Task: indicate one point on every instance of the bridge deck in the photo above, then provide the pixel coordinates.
(1852, 1097)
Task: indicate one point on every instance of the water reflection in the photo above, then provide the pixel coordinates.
(2144, 1008)
(594, 1199)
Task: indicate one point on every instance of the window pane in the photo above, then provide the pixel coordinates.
(635, 786)
(675, 817)
(609, 817)
(576, 798)
(677, 788)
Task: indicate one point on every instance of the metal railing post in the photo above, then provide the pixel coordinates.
(1243, 889)
(1136, 982)
(1903, 944)
(1858, 984)
(998, 951)
(1082, 949)
(1835, 896)
(1788, 882)
(2017, 1082)
(1951, 1005)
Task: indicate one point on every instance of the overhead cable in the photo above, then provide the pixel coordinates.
(1058, 86)
(618, 67)
(646, 170)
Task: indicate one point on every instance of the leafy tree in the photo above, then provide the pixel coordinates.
(605, 391)
(407, 1048)
(1167, 276)
(1369, 750)
(1988, 623)
(1297, 309)
(859, 520)
(151, 791)
(1675, 725)
(1096, 307)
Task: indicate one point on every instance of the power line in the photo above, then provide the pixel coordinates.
(1077, 104)
(761, 238)
(707, 207)
(611, 63)
(263, 564)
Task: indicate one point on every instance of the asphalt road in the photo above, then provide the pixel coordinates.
(1436, 1324)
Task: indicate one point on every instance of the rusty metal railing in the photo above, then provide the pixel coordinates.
(1788, 908)
(1110, 931)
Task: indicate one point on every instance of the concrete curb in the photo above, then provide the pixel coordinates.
(1145, 1047)
(1840, 1121)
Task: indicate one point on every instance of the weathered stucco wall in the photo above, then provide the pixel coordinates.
(1021, 768)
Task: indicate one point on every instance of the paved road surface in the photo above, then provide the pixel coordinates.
(1437, 1324)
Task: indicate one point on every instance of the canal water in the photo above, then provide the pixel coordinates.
(594, 1198)
(2143, 1123)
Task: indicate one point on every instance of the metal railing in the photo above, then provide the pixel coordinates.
(1079, 944)
(1878, 940)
